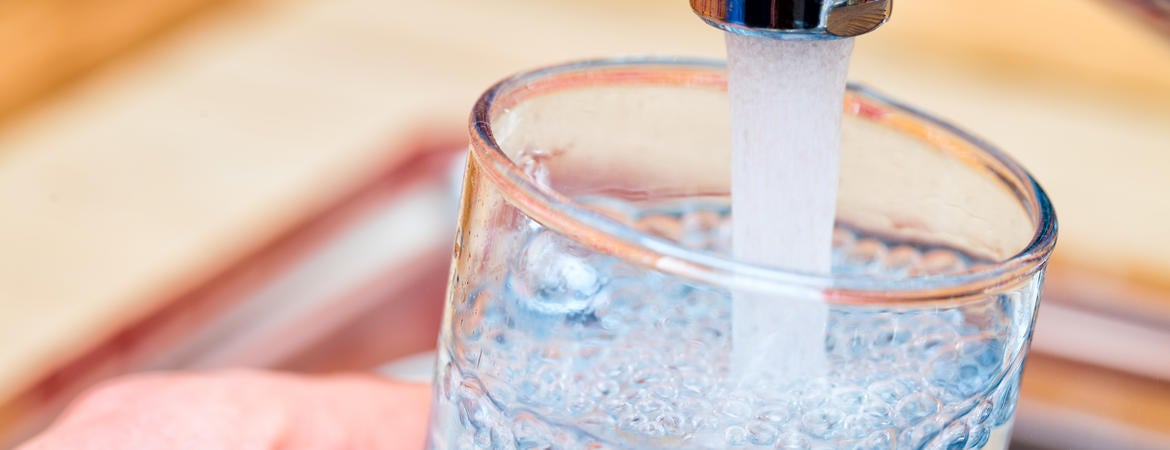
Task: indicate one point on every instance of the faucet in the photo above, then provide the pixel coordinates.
(795, 19)
(829, 19)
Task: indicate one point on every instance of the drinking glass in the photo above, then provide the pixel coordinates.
(589, 301)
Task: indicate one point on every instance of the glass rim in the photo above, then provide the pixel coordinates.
(559, 213)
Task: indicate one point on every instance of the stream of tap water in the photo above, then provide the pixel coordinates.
(786, 98)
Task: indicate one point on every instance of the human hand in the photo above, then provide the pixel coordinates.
(242, 410)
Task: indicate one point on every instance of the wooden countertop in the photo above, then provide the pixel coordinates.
(144, 180)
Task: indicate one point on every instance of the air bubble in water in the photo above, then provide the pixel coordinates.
(735, 436)
(555, 276)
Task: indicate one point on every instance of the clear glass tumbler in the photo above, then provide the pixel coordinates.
(589, 303)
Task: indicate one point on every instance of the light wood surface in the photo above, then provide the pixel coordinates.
(148, 178)
(45, 44)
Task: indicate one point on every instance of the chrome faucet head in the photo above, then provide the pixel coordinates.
(795, 19)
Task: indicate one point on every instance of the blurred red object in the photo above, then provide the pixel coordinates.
(1155, 12)
(355, 285)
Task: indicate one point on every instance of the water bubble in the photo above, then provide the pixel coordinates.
(650, 406)
(467, 327)
(856, 345)
(696, 408)
(865, 252)
(953, 437)
(887, 334)
(916, 436)
(972, 380)
(616, 406)
(916, 406)
(871, 417)
(736, 409)
(979, 436)
(606, 387)
(465, 441)
(775, 414)
(556, 276)
(534, 163)
(822, 423)
(880, 440)
(701, 228)
(888, 392)
(640, 424)
(985, 352)
(529, 390)
(981, 412)
(671, 424)
(944, 373)
(663, 391)
(1006, 399)
(939, 262)
(928, 345)
(531, 433)
(650, 375)
(792, 440)
(663, 226)
(471, 412)
(483, 439)
(848, 399)
(613, 370)
(761, 433)
(579, 405)
(597, 422)
(502, 439)
(447, 380)
(499, 339)
(704, 219)
(735, 436)
(843, 239)
(813, 395)
(900, 259)
(499, 390)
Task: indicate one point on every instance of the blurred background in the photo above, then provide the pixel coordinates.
(190, 184)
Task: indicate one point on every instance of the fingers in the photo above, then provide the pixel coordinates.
(243, 410)
(361, 412)
(170, 411)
